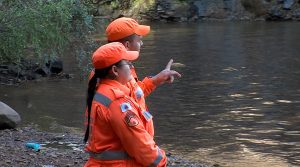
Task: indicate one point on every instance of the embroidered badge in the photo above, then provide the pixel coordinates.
(131, 119)
(125, 107)
(139, 93)
(147, 115)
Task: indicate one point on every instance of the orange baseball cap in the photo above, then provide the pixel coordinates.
(124, 27)
(112, 53)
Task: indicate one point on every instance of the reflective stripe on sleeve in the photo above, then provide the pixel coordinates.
(110, 155)
(158, 158)
(102, 99)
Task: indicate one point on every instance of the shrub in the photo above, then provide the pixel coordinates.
(40, 29)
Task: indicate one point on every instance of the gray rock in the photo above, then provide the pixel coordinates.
(56, 66)
(275, 14)
(280, 1)
(9, 118)
(14, 69)
(230, 5)
(287, 4)
(202, 7)
(43, 71)
(296, 13)
(217, 9)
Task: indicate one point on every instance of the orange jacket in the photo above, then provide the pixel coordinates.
(138, 91)
(146, 85)
(118, 135)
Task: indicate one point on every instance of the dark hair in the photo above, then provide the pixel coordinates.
(99, 74)
(129, 38)
(120, 16)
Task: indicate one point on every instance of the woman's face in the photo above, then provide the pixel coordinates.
(123, 74)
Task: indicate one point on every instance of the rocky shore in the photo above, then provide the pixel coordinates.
(14, 74)
(193, 10)
(57, 150)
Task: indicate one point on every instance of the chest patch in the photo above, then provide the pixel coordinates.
(125, 107)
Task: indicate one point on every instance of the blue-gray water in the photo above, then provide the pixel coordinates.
(237, 103)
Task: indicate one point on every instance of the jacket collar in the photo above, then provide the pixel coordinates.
(116, 84)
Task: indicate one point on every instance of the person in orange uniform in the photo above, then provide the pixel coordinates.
(117, 135)
(129, 32)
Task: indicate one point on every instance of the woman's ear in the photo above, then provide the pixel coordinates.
(114, 70)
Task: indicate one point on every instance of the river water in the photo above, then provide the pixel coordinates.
(237, 103)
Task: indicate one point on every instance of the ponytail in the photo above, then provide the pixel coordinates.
(90, 95)
(94, 80)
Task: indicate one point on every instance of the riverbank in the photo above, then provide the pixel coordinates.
(13, 74)
(194, 10)
(57, 150)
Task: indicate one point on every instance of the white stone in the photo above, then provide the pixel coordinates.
(9, 118)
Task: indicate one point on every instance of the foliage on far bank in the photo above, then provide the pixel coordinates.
(40, 29)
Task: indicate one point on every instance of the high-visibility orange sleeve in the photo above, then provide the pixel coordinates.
(147, 86)
(136, 141)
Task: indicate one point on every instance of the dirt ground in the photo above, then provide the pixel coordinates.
(57, 150)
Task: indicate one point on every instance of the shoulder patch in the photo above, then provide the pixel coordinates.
(139, 93)
(131, 119)
(125, 106)
(147, 115)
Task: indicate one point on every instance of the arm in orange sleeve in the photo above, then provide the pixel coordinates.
(147, 86)
(136, 141)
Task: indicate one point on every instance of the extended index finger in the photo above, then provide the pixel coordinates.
(168, 67)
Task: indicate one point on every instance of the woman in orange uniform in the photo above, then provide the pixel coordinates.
(117, 133)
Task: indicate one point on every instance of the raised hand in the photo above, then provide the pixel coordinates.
(166, 75)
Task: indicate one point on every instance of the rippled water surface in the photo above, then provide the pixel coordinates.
(237, 103)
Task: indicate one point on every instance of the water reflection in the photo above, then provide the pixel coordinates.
(238, 96)
(51, 104)
(236, 105)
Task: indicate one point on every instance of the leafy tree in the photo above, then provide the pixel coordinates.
(40, 29)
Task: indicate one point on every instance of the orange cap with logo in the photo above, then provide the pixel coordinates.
(112, 53)
(124, 27)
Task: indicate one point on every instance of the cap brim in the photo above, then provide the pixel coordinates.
(130, 55)
(142, 30)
